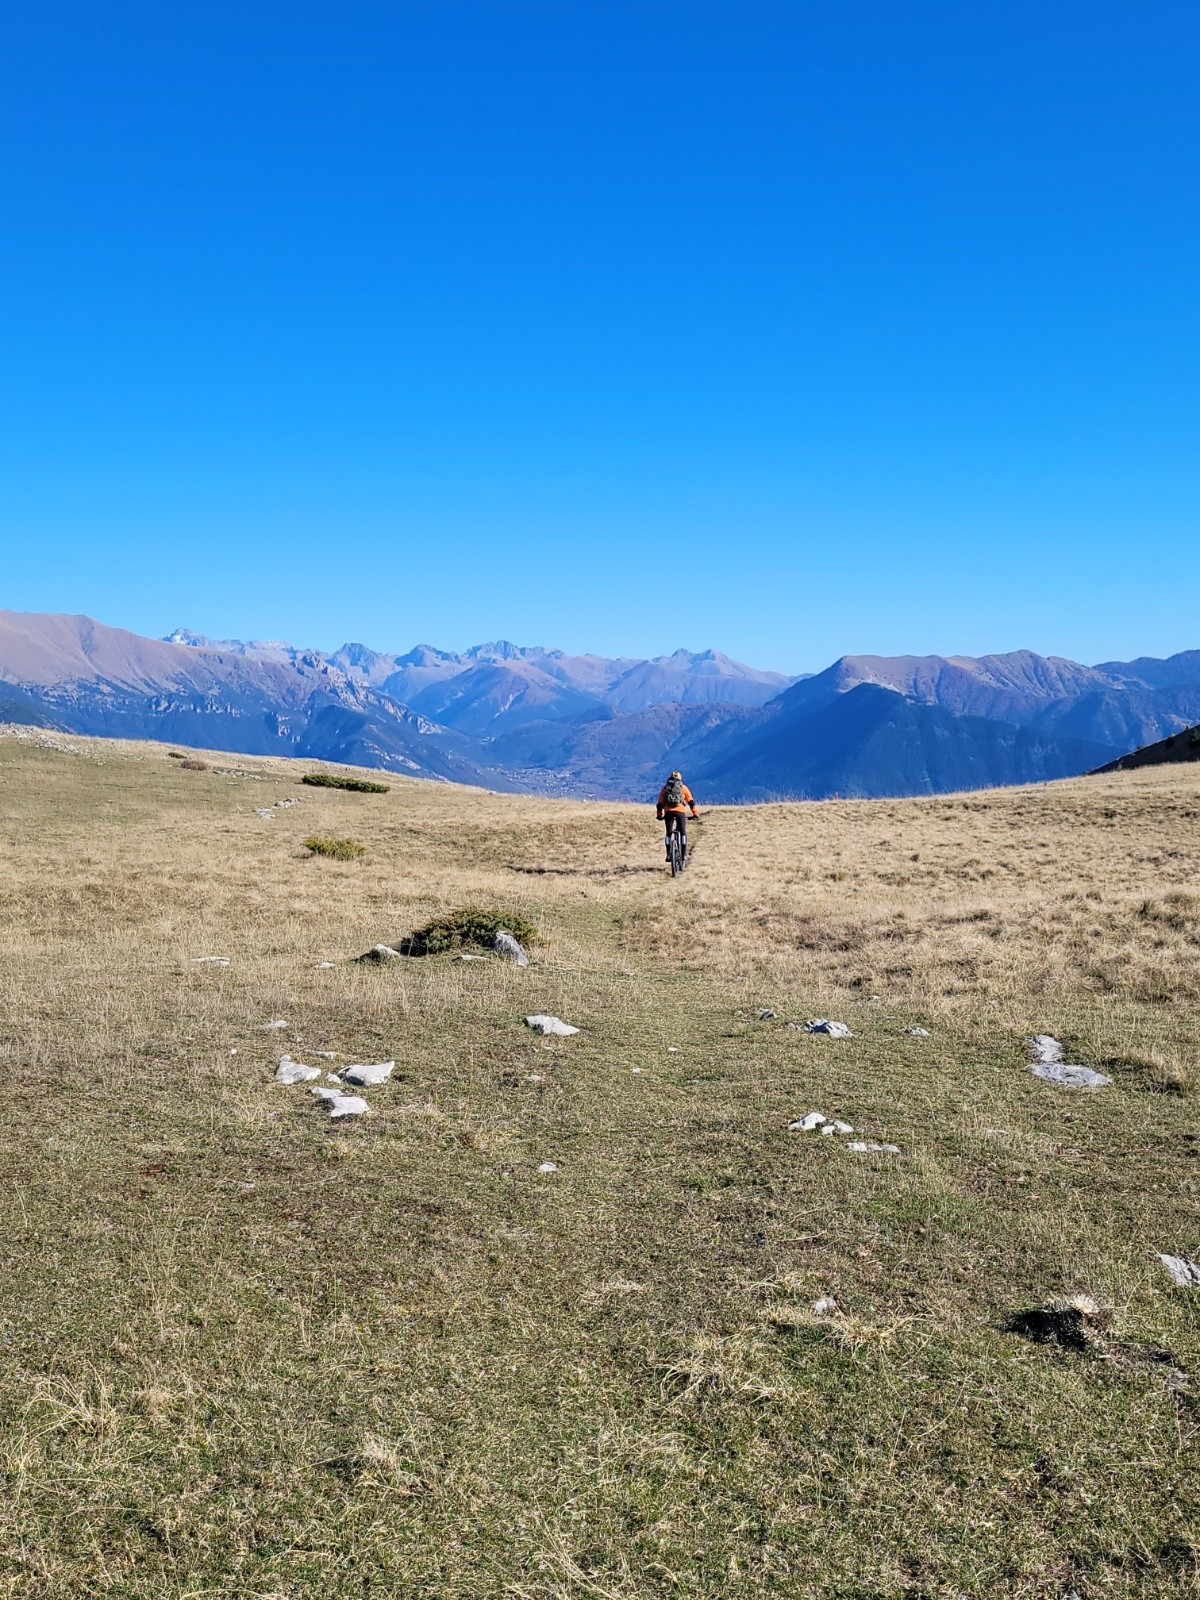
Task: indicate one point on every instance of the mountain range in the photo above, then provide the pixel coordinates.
(536, 719)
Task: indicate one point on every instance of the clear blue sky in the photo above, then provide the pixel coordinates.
(790, 328)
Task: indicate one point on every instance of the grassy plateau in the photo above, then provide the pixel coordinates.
(247, 1350)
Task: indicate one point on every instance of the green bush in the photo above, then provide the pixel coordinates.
(340, 849)
(335, 780)
(470, 925)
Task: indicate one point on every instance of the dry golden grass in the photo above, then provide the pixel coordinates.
(245, 1352)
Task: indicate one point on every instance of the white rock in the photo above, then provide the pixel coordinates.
(1044, 1048)
(341, 1105)
(368, 1076)
(837, 1127)
(326, 966)
(672, 1049)
(210, 961)
(636, 1069)
(826, 1306)
(548, 1166)
(325, 1055)
(807, 1123)
(1046, 1062)
(550, 1025)
(467, 956)
(289, 1071)
(505, 945)
(381, 952)
(535, 1077)
(272, 1027)
(865, 1147)
(835, 1030)
(1185, 1273)
(916, 1033)
(1069, 1077)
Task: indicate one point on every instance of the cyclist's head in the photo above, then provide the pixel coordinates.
(677, 775)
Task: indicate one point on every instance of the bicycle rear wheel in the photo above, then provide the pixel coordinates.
(676, 854)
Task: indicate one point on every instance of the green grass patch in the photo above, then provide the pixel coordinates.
(470, 925)
(339, 849)
(336, 780)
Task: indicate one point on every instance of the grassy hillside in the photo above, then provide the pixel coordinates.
(249, 1352)
(1183, 746)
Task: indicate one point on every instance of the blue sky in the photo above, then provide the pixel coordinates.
(792, 329)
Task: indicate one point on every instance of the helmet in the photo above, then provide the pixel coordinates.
(677, 774)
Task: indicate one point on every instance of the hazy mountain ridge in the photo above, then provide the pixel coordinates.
(529, 717)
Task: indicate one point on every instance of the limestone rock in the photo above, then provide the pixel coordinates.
(550, 1025)
(341, 1105)
(289, 1071)
(511, 949)
(1185, 1273)
(368, 1076)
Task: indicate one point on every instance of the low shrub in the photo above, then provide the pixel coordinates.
(470, 925)
(340, 849)
(193, 766)
(335, 780)
(175, 755)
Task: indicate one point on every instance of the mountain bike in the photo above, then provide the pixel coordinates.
(675, 846)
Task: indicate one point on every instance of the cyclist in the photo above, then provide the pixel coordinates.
(674, 800)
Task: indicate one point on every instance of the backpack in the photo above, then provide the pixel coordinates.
(673, 793)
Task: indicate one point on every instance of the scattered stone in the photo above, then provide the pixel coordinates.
(1046, 1062)
(806, 1124)
(1069, 1077)
(916, 1033)
(467, 956)
(550, 1025)
(826, 1306)
(272, 1027)
(325, 1055)
(837, 1126)
(1044, 1048)
(835, 1030)
(368, 1076)
(766, 1015)
(672, 1049)
(265, 812)
(637, 1069)
(341, 1105)
(326, 966)
(548, 1166)
(282, 805)
(1185, 1273)
(511, 949)
(379, 953)
(210, 961)
(865, 1147)
(535, 1077)
(289, 1071)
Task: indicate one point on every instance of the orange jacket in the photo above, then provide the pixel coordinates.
(687, 801)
